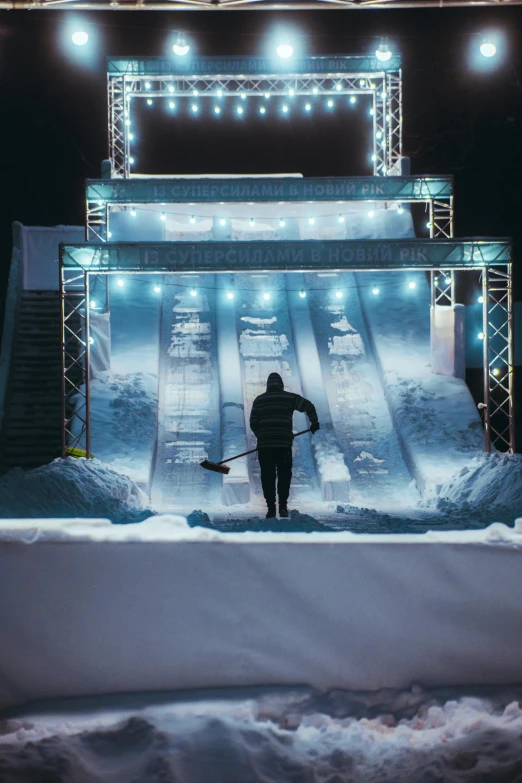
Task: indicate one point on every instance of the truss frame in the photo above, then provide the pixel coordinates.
(139, 79)
(463, 255)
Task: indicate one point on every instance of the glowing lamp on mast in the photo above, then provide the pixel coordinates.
(180, 46)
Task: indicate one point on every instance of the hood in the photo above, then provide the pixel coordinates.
(274, 381)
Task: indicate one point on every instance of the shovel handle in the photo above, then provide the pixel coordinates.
(253, 450)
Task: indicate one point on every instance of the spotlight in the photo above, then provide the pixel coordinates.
(195, 92)
(193, 292)
(330, 104)
(92, 304)
(308, 106)
(243, 96)
(285, 50)
(447, 281)
(481, 335)
(220, 93)
(230, 294)
(338, 86)
(341, 218)
(157, 289)
(194, 108)
(374, 157)
(353, 99)
(266, 296)
(282, 223)
(315, 90)
(149, 101)
(239, 110)
(147, 85)
(311, 221)
(222, 222)
(80, 37)
(412, 284)
(120, 282)
(91, 340)
(285, 108)
(192, 219)
(480, 300)
(339, 294)
(496, 371)
(262, 110)
(180, 46)
(291, 91)
(372, 112)
(375, 290)
(172, 105)
(428, 224)
(302, 294)
(131, 136)
(252, 222)
(400, 209)
(133, 212)
(378, 135)
(131, 161)
(217, 110)
(109, 234)
(171, 88)
(371, 213)
(163, 216)
(383, 53)
(267, 95)
(488, 49)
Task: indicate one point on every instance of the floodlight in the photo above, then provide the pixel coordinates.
(383, 53)
(80, 37)
(412, 284)
(488, 49)
(266, 296)
(120, 282)
(375, 290)
(157, 289)
(285, 50)
(302, 294)
(180, 46)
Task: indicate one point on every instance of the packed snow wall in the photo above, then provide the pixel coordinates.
(88, 607)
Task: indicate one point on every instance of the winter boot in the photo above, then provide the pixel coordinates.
(283, 510)
(271, 513)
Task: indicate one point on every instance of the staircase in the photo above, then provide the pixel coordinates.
(31, 430)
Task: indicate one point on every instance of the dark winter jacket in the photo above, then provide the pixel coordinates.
(272, 413)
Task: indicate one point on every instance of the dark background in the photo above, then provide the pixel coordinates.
(457, 120)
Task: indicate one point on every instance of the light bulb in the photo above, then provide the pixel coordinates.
(194, 107)
(92, 303)
(282, 223)
(220, 93)
(341, 218)
(481, 335)
(171, 88)
(302, 294)
(266, 296)
(192, 219)
(330, 103)
(230, 294)
(311, 221)
(172, 105)
(120, 282)
(131, 160)
(308, 106)
(488, 49)
(412, 284)
(239, 110)
(147, 85)
(383, 53)
(80, 37)
(338, 86)
(353, 99)
(285, 108)
(339, 294)
(217, 110)
(163, 216)
(315, 90)
(375, 290)
(285, 50)
(262, 110)
(157, 289)
(496, 371)
(149, 101)
(133, 212)
(193, 292)
(180, 46)
(480, 300)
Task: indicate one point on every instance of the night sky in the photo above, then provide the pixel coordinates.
(456, 120)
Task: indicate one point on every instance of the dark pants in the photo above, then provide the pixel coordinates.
(275, 461)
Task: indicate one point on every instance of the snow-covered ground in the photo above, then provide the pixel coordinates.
(284, 736)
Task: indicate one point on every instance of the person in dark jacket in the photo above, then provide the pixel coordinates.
(271, 422)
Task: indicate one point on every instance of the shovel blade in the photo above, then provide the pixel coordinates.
(215, 466)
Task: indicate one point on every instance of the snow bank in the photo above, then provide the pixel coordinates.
(72, 488)
(280, 737)
(489, 488)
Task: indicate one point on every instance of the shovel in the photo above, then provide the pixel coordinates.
(220, 467)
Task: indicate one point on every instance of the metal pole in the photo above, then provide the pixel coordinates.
(485, 362)
(62, 360)
(511, 360)
(87, 371)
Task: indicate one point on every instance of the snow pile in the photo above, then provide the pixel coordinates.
(274, 738)
(72, 488)
(489, 489)
(296, 523)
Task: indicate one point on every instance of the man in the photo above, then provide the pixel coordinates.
(271, 423)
